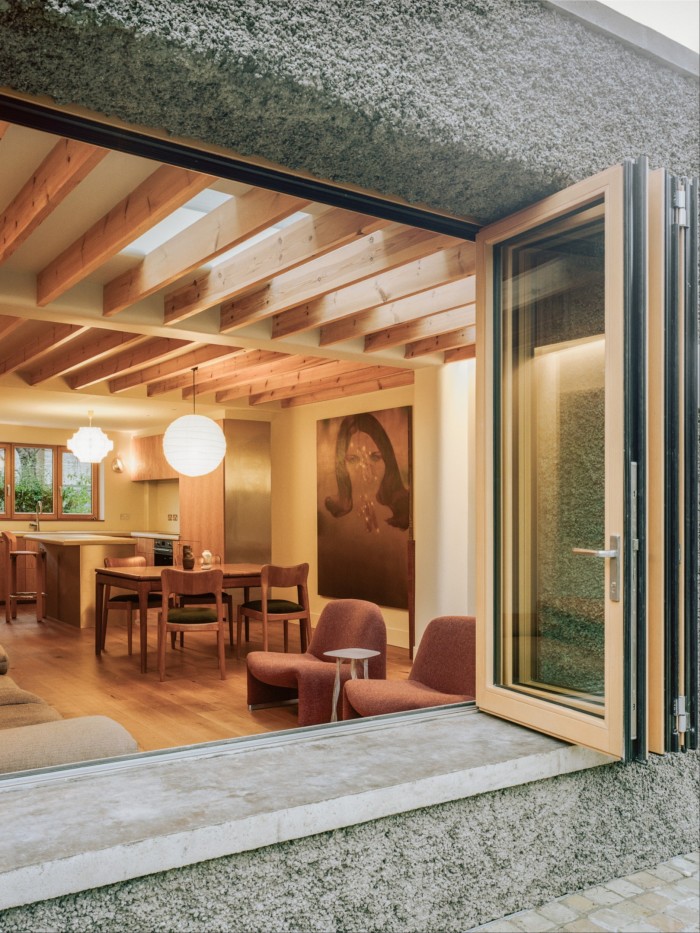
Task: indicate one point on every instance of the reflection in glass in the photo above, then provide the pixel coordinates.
(552, 456)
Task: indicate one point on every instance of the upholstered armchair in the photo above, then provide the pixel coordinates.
(276, 677)
(443, 672)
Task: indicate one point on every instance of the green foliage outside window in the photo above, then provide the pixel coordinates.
(2, 481)
(76, 491)
(33, 479)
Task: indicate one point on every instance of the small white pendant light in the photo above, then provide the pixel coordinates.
(90, 445)
(194, 445)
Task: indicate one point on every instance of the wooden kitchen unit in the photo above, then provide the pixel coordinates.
(71, 562)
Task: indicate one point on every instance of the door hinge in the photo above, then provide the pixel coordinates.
(681, 714)
(681, 218)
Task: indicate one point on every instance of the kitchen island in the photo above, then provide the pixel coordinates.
(71, 561)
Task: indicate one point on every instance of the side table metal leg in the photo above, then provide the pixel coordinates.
(336, 691)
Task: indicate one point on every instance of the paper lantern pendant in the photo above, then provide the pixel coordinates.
(194, 445)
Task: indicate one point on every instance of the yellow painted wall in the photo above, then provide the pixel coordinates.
(443, 494)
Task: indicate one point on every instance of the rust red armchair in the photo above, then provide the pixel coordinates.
(443, 672)
(276, 677)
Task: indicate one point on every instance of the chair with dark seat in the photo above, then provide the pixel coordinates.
(124, 601)
(12, 595)
(443, 672)
(175, 618)
(266, 609)
(275, 678)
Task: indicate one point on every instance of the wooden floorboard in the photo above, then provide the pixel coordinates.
(192, 705)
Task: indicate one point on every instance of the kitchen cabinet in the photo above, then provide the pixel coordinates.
(144, 548)
(148, 460)
(228, 511)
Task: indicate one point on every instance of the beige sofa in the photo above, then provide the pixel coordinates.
(35, 735)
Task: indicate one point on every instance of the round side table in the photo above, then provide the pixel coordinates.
(352, 655)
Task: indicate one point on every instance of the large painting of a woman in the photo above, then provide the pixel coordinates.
(364, 506)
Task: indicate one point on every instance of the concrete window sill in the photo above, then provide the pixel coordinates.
(97, 824)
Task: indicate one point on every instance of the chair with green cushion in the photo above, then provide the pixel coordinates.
(197, 618)
(268, 609)
(124, 601)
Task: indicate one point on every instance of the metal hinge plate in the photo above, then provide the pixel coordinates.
(681, 714)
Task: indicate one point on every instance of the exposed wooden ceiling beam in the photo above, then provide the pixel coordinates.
(441, 298)
(223, 228)
(147, 352)
(461, 353)
(390, 248)
(167, 189)
(441, 268)
(94, 345)
(307, 239)
(8, 324)
(293, 376)
(51, 337)
(173, 367)
(401, 378)
(245, 364)
(259, 378)
(327, 376)
(68, 163)
(447, 341)
(207, 376)
(421, 329)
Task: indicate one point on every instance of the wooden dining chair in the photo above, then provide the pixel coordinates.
(268, 609)
(124, 601)
(174, 618)
(12, 594)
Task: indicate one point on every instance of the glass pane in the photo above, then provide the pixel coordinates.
(552, 487)
(33, 479)
(76, 486)
(3, 505)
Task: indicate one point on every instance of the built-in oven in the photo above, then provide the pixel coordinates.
(163, 552)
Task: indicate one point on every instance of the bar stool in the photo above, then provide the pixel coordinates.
(12, 596)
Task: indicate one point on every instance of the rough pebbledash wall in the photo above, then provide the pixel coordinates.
(472, 106)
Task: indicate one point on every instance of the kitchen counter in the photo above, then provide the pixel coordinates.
(160, 535)
(71, 561)
(76, 538)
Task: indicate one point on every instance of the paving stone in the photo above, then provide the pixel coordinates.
(686, 914)
(683, 865)
(665, 923)
(638, 928)
(666, 873)
(578, 902)
(602, 896)
(532, 921)
(558, 912)
(625, 888)
(610, 918)
(584, 925)
(644, 880)
(657, 900)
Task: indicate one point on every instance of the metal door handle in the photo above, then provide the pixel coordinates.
(613, 553)
(591, 552)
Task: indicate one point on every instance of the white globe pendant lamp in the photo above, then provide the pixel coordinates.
(194, 445)
(90, 445)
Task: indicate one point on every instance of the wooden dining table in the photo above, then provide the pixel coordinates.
(145, 580)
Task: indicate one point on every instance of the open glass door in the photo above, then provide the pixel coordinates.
(559, 400)
(673, 464)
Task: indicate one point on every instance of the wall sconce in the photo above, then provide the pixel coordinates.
(117, 465)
